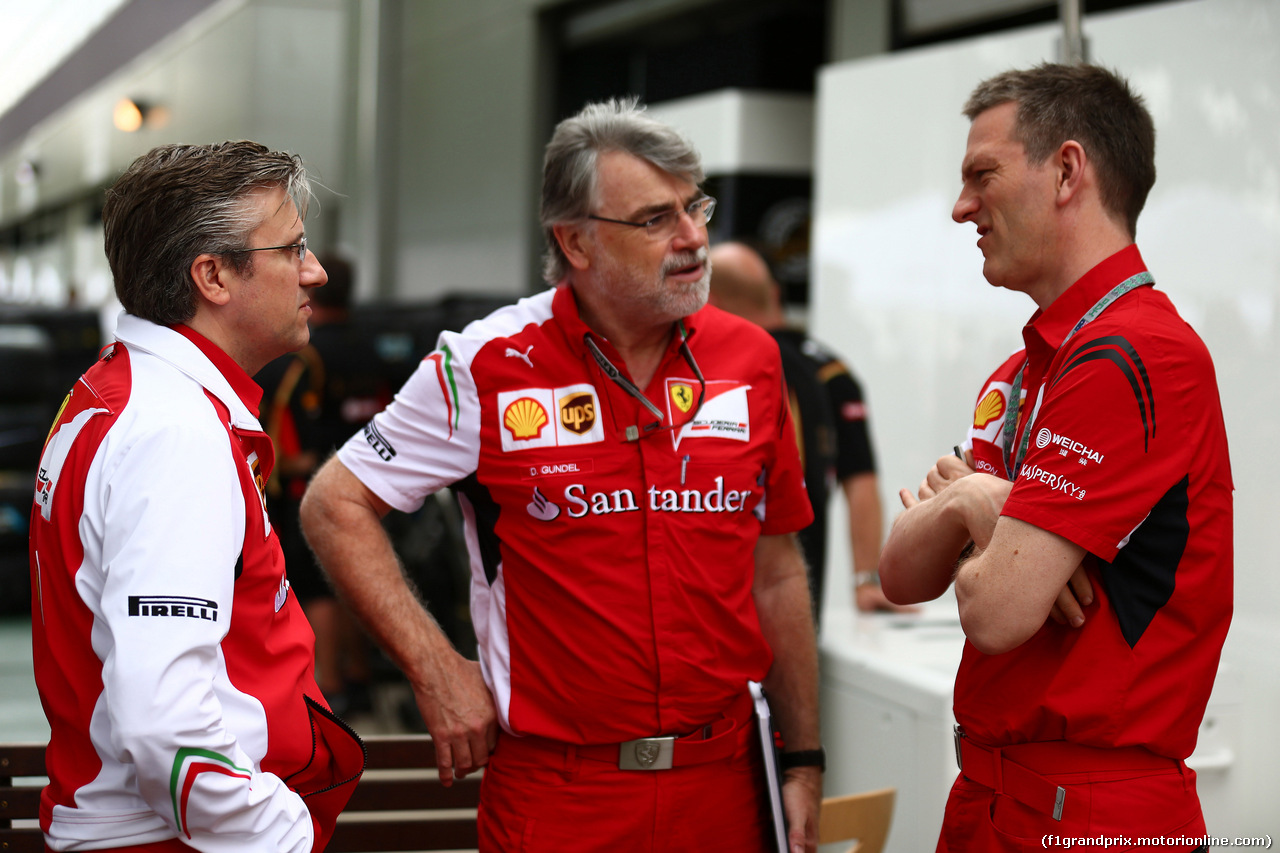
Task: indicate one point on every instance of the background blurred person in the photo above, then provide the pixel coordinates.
(830, 414)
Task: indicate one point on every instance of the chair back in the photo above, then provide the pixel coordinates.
(864, 816)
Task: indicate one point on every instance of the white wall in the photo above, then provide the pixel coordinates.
(898, 286)
(269, 70)
(466, 203)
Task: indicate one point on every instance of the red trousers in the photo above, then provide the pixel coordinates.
(1113, 802)
(534, 800)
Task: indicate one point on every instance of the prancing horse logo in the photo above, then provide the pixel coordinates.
(647, 753)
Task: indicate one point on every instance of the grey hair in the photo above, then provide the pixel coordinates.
(569, 167)
(177, 202)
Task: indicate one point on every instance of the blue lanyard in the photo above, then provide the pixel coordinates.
(1013, 466)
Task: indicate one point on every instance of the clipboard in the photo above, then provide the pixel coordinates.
(772, 767)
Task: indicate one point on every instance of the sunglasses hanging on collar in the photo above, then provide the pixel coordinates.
(636, 431)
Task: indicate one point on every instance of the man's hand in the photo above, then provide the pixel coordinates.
(1076, 595)
(342, 520)
(801, 802)
(459, 713)
(869, 597)
(944, 472)
(984, 497)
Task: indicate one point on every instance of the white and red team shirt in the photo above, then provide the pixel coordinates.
(611, 579)
(173, 663)
(1127, 457)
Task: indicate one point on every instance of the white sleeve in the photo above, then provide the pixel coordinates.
(428, 438)
(174, 528)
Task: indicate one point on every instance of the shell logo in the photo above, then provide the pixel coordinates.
(525, 418)
(989, 408)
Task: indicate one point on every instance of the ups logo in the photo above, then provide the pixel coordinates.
(578, 412)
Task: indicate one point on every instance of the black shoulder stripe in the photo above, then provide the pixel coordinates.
(1110, 348)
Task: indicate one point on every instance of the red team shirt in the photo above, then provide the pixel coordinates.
(1126, 457)
(173, 663)
(611, 579)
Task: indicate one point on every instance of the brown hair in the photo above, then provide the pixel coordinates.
(179, 201)
(1088, 104)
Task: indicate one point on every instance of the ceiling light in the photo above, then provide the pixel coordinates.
(129, 115)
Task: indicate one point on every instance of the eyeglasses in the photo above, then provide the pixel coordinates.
(300, 247)
(663, 225)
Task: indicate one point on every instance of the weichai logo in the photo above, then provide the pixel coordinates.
(577, 412)
(181, 606)
(525, 418)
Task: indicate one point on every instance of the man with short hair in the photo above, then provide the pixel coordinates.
(1102, 498)
(628, 477)
(173, 663)
(830, 414)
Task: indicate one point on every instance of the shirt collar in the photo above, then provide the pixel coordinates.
(1052, 325)
(182, 354)
(241, 383)
(564, 306)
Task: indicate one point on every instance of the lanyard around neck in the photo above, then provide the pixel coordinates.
(1012, 464)
(607, 367)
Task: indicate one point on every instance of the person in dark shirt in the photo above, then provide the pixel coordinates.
(831, 419)
(316, 398)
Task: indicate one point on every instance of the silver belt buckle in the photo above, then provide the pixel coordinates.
(646, 753)
(956, 734)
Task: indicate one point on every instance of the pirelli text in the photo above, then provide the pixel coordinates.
(1180, 842)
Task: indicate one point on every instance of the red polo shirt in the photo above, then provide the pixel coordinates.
(1127, 457)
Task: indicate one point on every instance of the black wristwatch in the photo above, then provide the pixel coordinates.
(805, 758)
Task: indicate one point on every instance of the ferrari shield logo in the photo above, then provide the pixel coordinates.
(647, 751)
(682, 396)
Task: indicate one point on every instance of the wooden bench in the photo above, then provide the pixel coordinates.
(399, 804)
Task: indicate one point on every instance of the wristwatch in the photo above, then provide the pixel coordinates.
(805, 758)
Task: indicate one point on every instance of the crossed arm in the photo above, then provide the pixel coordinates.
(1017, 576)
(342, 521)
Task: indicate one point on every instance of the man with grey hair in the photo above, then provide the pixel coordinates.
(628, 476)
(1088, 534)
(158, 580)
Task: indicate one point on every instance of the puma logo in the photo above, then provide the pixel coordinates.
(524, 356)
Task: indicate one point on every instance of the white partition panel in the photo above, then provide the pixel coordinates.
(898, 289)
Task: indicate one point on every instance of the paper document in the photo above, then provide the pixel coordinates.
(772, 770)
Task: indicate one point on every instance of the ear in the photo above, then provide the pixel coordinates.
(574, 243)
(210, 274)
(1071, 162)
